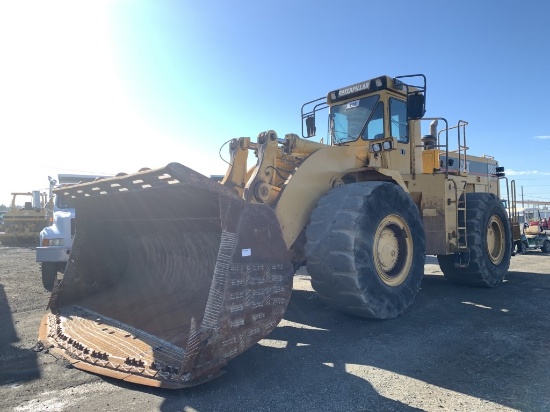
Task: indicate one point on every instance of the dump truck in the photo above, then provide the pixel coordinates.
(23, 223)
(172, 274)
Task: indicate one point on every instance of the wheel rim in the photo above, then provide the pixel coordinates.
(495, 240)
(393, 247)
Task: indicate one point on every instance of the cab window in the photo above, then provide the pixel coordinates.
(63, 202)
(375, 128)
(347, 120)
(398, 119)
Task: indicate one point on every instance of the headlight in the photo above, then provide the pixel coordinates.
(57, 242)
(376, 147)
(386, 145)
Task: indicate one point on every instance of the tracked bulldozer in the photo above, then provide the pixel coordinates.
(172, 274)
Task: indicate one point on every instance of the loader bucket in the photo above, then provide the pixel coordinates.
(170, 276)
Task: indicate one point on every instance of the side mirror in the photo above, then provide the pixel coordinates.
(310, 126)
(416, 106)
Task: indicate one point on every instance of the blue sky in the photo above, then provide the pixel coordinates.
(110, 86)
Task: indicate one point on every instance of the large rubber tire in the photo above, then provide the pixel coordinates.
(545, 247)
(489, 239)
(365, 249)
(49, 273)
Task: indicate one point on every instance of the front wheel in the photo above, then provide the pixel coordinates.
(365, 249)
(49, 273)
(489, 241)
(545, 247)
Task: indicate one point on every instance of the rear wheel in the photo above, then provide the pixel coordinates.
(49, 273)
(489, 241)
(365, 249)
(545, 247)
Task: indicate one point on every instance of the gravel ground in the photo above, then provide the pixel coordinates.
(456, 349)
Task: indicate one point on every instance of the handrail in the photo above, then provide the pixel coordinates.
(438, 145)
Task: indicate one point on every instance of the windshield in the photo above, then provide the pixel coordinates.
(63, 202)
(348, 120)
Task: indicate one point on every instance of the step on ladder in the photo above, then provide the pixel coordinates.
(462, 255)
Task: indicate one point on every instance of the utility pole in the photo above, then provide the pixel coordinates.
(522, 204)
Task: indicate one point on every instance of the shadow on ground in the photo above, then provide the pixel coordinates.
(16, 364)
(486, 344)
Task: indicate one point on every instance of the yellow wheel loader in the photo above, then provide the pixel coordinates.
(173, 274)
(22, 224)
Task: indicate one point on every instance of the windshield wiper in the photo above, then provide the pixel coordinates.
(339, 141)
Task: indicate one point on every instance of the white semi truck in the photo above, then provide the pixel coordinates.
(56, 240)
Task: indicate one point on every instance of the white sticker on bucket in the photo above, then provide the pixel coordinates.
(247, 252)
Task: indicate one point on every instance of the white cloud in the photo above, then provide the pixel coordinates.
(510, 172)
(542, 137)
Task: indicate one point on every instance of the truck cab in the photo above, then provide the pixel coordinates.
(55, 241)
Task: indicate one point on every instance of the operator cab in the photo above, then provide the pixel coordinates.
(375, 109)
(364, 119)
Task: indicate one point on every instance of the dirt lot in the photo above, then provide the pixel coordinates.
(458, 348)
